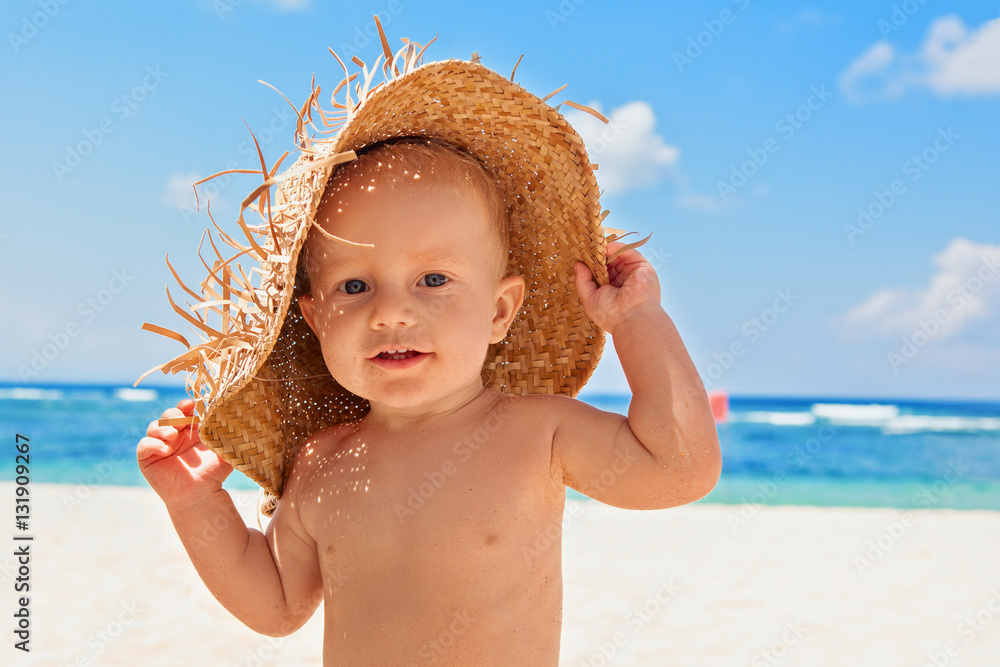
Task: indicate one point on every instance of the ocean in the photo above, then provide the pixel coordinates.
(776, 451)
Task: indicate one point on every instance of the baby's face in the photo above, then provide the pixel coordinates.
(430, 287)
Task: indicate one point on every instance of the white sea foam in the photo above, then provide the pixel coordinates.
(130, 394)
(30, 394)
(914, 423)
(855, 415)
(776, 418)
(886, 417)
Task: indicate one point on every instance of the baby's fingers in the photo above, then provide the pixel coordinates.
(149, 447)
(154, 430)
(585, 285)
(175, 436)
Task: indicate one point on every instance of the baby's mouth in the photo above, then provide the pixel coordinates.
(398, 354)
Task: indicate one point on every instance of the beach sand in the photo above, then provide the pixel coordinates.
(697, 585)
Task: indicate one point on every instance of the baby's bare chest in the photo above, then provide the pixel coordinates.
(466, 501)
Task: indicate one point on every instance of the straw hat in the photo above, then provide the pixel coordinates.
(258, 377)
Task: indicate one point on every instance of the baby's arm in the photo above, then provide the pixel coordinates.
(269, 581)
(667, 452)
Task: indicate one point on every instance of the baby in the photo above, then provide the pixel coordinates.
(416, 525)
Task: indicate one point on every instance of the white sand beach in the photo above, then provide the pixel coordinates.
(111, 585)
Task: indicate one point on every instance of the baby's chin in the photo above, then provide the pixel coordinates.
(417, 395)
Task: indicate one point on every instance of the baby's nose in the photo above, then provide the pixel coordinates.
(392, 307)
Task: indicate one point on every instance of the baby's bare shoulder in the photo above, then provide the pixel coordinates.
(305, 475)
(541, 410)
(552, 405)
(318, 448)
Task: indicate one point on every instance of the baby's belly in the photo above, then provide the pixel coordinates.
(395, 622)
(468, 577)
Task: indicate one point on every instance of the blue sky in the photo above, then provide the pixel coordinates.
(820, 178)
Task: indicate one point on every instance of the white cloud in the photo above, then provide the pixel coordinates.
(961, 61)
(953, 60)
(964, 288)
(808, 18)
(628, 151)
(179, 192)
(872, 64)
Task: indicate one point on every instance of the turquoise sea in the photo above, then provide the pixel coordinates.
(776, 451)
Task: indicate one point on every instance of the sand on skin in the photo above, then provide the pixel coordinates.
(111, 585)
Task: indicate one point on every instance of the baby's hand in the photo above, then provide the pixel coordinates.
(181, 470)
(632, 288)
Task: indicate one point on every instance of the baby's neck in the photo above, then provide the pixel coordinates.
(393, 419)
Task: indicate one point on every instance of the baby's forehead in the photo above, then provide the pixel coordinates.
(380, 208)
(397, 194)
(406, 164)
(421, 172)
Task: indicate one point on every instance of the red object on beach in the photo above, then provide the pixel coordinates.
(719, 400)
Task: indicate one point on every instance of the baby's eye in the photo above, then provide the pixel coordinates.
(355, 286)
(435, 279)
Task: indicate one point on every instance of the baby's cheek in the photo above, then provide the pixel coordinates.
(331, 316)
(478, 328)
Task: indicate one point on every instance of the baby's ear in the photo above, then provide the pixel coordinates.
(509, 297)
(308, 308)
